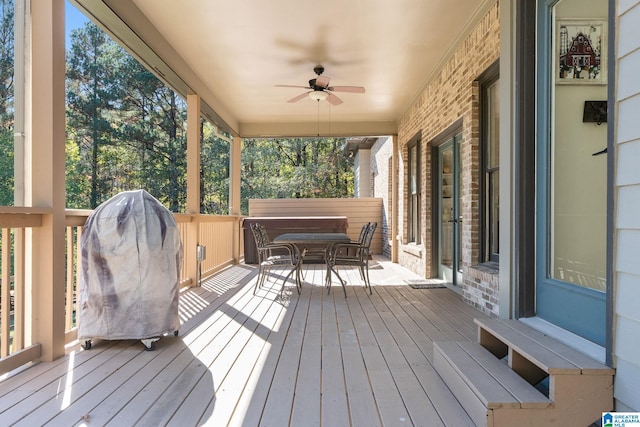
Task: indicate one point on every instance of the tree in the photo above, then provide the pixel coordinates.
(214, 172)
(129, 127)
(126, 130)
(93, 91)
(295, 167)
(6, 102)
(6, 63)
(154, 124)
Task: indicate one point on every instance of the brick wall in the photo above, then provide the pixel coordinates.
(381, 158)
(451, 96)
(480, 289)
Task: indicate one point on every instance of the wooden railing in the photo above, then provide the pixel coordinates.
(14, 337)
(220, 235)
(74, 222)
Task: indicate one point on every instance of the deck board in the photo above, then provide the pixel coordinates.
(334, 406)
(388, 400)
(260, 360)
(387, 331)
(306, 403)
(251, 403)
(415, 345)
(279, 400)
(361, 399)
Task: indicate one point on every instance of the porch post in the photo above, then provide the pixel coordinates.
(45, 129)
(395, 155)
(234, 191)
(191, 239)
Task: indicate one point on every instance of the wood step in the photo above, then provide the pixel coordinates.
(494, 379)
(484, 385)
(548, 354)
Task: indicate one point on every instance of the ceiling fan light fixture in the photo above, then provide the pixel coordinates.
(318, 95)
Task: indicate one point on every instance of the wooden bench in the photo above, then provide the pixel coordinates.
(497, 380)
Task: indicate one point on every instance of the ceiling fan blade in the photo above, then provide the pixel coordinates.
(296, 86)
(322, 81)
(333, 100)
(299, 97)
(350, 89)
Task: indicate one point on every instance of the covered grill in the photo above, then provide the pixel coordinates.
(131, 260)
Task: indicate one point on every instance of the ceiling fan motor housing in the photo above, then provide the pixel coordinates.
(314, 86)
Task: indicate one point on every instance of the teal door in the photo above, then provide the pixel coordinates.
(571, 179)
(447, 210)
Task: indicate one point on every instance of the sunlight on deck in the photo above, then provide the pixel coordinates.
(66, 398)
(242, 359)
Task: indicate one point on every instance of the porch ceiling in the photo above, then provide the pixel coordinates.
(233, 53)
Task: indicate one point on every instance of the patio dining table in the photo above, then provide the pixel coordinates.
(328, 240)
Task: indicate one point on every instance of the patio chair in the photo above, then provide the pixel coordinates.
(274, 255)
(354, 254)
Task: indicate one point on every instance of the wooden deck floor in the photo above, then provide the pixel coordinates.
(240, 359)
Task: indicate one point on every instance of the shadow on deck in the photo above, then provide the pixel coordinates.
(240, 359)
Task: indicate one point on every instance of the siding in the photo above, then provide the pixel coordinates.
(627, 221)
(358, 211)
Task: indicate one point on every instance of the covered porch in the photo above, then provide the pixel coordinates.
(242, 359)
(245, 359)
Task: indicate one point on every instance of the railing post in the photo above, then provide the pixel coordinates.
(234, 191)
(193, 185)
(46, 166)
(395, 160)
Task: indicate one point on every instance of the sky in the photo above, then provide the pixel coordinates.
(73, 19)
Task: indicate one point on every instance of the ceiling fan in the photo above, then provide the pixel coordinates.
(320, 89)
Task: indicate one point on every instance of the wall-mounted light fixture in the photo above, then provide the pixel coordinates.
(595, 112)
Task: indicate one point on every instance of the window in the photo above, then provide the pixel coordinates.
(490, 166)
(413, 220)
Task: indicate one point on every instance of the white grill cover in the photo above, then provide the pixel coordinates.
(131, 259)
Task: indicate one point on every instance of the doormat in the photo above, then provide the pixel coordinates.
(426, 283)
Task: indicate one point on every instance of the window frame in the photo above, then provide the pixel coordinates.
(490, 78)
(414, 200)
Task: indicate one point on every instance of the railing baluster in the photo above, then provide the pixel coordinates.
(78, 271)
(70, 279)
(5, 286)
(18, 288)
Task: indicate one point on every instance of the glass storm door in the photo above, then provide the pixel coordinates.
(448, 210)
(571, 173)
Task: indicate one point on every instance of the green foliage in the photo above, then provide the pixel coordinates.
(6, 63)
(78, 181)
(127, 130)
(214, 172)
(128, 126)
(93, 92)
(6, 102)
(295, 168)
(6, 167)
